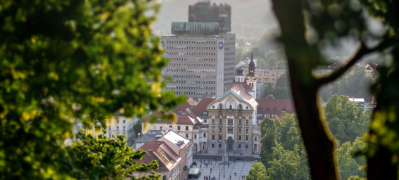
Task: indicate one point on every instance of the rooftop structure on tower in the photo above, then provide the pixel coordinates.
(206, 12)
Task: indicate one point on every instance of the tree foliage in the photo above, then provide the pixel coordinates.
(103, 158)
(257, 172)
(284, 155)
(67, 60)
(353, 83)
(281, 90)
(310, 27)
(346, 119)
(137, 127)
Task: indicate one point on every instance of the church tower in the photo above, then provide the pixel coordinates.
(251, 77)
(240, 77)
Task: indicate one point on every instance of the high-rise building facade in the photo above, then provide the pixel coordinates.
(201, 53)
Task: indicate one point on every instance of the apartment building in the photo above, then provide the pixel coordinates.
(268, 75)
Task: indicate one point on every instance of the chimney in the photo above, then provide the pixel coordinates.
(138, 135)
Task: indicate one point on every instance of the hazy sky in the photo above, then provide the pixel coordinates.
(252, 12)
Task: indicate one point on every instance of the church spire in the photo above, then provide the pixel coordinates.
(251, 67)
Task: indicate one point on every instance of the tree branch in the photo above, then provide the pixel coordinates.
(362, 50)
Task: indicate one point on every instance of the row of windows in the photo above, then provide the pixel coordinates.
(190, 54)
(239, 137)
(191, 42)
(268, 108)
(239, 146)
(190, 65)
(230, 130)
(190, 70)
(266, 115)
(160, 127)
(198, 59)
(230, 122)
(117, 128)
(195, 93)
(202, 48)
(230, 107)
(117, 120)
(192, 87)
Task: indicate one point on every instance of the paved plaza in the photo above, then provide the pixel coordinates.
(240, 168)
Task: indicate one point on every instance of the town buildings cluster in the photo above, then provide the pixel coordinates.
(224, 110)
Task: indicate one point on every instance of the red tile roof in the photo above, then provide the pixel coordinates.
(191, 102)
(240, 91)
(185, 119)
(191, 113)
(201, 107)
(243, 85)
(275, 106)
(160, 151)
(181, 119)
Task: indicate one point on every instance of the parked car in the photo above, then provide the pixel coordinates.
(256, 156)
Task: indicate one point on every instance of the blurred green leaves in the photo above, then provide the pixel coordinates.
(68, 60)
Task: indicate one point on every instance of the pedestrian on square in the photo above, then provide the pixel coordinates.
(204, 178)
(200, 165)
(235, 174)
(230, 177)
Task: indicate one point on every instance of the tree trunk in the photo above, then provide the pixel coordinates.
(380, 166)
(316, 135)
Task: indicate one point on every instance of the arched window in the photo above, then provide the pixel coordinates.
(239, 146)
(220, 145)
(239, 106)
(220, 106)
(246, 146)
(231, 107)
(247, 107)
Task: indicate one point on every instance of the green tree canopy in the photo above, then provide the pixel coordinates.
(257, 172)
(103, 158)
(67, 60)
